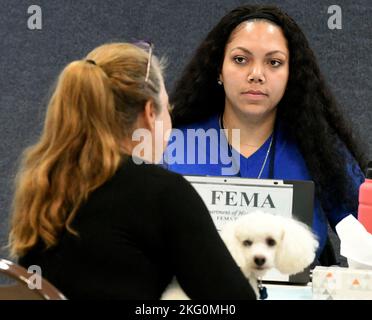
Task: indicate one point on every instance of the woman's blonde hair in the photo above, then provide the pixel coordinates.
(93, 107)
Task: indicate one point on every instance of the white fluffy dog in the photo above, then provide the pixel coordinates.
(260, 241)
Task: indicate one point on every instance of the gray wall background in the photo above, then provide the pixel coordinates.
(31, 60)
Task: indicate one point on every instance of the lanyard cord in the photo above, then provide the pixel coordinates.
(270, 151)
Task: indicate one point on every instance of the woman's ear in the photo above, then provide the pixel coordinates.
(149, 115)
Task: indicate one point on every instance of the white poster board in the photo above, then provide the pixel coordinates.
(230, 200)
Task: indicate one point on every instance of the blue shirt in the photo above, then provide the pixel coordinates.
(210, 157)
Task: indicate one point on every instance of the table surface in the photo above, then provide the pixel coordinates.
(289, 292)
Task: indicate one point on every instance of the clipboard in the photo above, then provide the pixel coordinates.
(296, 199)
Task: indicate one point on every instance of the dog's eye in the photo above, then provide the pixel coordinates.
(247, 243)
(270, 242)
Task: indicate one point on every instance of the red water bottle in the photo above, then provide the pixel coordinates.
(365, 200)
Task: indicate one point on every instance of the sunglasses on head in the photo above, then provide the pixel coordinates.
(147, 46)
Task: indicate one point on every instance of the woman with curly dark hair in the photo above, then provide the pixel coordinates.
(256, 72)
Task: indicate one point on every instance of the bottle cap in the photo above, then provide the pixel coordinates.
(369, 170)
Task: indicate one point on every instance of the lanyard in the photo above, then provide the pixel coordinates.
(271, 152)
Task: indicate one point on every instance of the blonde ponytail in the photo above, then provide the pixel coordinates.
(92, 108)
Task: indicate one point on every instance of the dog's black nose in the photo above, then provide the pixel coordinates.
(259, 261)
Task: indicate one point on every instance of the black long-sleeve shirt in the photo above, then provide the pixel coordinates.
(141, 228)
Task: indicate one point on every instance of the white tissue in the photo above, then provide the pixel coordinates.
(356, 243)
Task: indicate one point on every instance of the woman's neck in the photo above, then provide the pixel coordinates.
(129, 147)
(253, 132)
